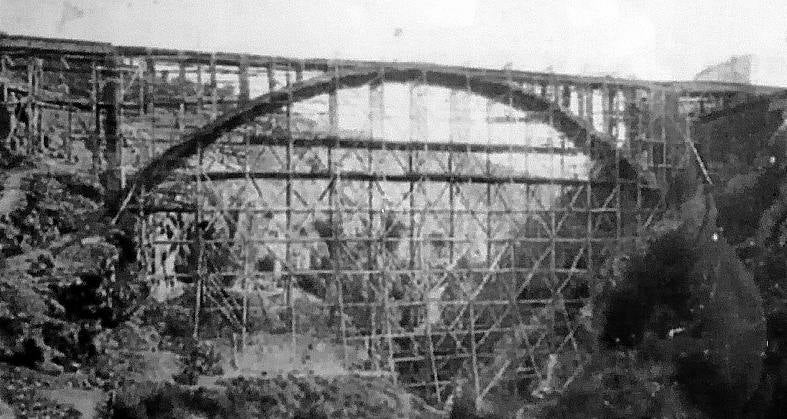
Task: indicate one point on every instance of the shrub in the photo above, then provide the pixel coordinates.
(22, 316)
(276, 397)
(148, 399)
(170, 319)
(199, 358)
(620, 386)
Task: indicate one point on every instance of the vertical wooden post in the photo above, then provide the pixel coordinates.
(149, 83)
(589, 194)
(200, 91)
(612, 110)
(288, 215)
(243, 80)
(143, 220)
(69, 135)
(376, 278)
(589, 97)
(378, 101)
(334, 246)
(457, 117)
(181, 93)
(555, 190)
(333, 105)
(610, 98)
(198, 247)
(247, 273)
(95, 142)
(299, 72)
(149, 102)
(4, 79)
(471, 314)
(372, 258)
(248, 244)
(111, 98)
(214, 111)
(606, 97)
(39, 114)
(4, 94)
(31, 117)
(411, 197)
(630, 115)
(566, 97)
(234, 344)
(143, 84)
(271, 72)
(119, 101)
(663, 135)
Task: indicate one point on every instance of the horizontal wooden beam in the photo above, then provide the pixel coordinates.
(406, 177)
(379, 144)
(34, 45)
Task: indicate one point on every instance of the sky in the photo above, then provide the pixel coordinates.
(659, 40)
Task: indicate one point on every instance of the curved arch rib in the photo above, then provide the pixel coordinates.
(157, 170)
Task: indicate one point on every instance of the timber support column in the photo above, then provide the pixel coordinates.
(113, 147)
(780, 105)
(243, 80)
(148, 84)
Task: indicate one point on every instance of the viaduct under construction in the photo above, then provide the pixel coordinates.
(425, 213)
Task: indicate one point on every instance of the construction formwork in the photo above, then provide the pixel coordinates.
(429, 225)
(425, 225)
(54, 102)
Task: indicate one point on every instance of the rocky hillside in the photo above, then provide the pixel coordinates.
(80, 335)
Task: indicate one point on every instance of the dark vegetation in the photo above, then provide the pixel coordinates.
(682, 314)
(59, 290)
(66, 279)
(21, 389)
(199, 359)
(274, 397)
(639, 368)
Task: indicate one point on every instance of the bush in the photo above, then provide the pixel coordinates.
(91, 282)
(148, 399)
(169, 319)
(22, 316)
(199, 358)
(21, 389)
(620, 386)
(686, 281)
(277, 397)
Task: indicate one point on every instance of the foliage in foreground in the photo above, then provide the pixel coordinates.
(642, 371)
(198, 358)
(21, 389)
(276, 397)
(621, 385)
(64, 274)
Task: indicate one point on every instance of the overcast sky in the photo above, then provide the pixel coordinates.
(666, 39)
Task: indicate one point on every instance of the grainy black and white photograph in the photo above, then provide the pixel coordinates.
(393, 209)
